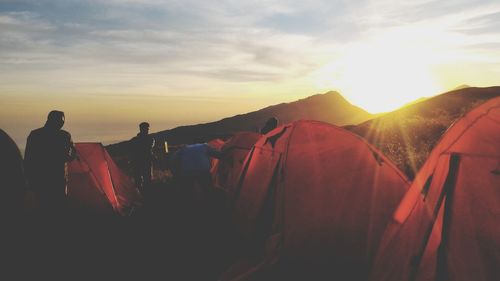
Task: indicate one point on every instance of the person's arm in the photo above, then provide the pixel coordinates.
(154, 155)
(71, 150)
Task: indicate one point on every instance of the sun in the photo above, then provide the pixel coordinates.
(381, 75)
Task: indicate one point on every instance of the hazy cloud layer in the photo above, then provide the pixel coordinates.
(227, 40)
(232, 48)
(185, 37)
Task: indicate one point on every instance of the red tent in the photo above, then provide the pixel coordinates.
(447, 227)
(313, 199)
(235, 150)
(216, 143)
(97, 184)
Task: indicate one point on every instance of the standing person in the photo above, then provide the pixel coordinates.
(48, 149)
(270, 125)
(142, 156)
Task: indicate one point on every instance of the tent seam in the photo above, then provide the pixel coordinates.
(281, 171)
(111, 179)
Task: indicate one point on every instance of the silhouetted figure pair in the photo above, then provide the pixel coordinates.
(270, 125)
(142, 156)
(48, 149)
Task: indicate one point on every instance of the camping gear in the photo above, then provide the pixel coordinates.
(235, 151)
(447, 227)
(214, 162)
(96, 184)
(312, 202)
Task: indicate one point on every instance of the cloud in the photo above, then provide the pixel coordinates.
(231, 41)
(67, 52)
(154, 38)
(95, 44)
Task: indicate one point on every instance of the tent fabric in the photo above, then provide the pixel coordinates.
(214, 163)
(97, 184)
(236, 149)
(216, 143)
(311, 193)
(447, 225)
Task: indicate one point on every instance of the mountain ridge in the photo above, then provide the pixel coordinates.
(408, 135)
(330, 107)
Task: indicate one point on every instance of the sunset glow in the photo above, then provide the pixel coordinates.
(381, 76)
(184, 62)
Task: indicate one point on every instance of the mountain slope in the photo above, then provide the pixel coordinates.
(330, 107)
(408, 135)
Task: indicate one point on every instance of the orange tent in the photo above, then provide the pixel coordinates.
(97, 184)
(235, 150)
(313, 199)
(447, 227)
(216, 143)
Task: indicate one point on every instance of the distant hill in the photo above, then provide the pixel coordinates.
(408, 135)
(330, 107)
(414, 102)
(463, 86)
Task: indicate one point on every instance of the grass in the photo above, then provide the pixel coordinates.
(408, 136)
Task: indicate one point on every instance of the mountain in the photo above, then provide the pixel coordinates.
(408, 135)
(414, 102)
(463, 86)
(330, 107)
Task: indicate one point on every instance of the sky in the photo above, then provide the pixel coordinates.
(110, 64)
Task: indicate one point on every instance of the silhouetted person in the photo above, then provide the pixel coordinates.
(142, 156)
(47, 151)
(270, 125)
(12, 181)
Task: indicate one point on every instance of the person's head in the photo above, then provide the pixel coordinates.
(270, 125)
(144, 127)
(55, 119)
(272, 122)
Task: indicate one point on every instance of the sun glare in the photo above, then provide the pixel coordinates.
(381, 75)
